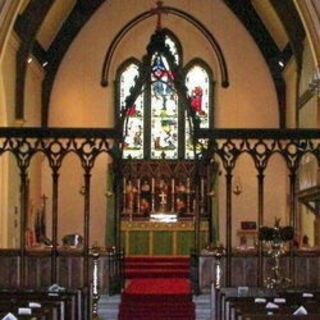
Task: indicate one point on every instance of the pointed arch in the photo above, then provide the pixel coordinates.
(223, 70)
(198, 79)
(125, 80)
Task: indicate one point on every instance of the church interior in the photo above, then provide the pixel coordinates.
(159, 159)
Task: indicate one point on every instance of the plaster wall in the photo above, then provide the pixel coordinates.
(307, 69)
(78, 100)
(245, 204)
(10, 211)
(9, 203)
(308, 118)
(290, 77)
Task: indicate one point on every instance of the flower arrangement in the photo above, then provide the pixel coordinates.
(276, 234)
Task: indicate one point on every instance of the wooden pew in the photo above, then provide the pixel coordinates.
(69, 304)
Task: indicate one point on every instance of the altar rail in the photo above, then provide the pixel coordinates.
(244, 269)
(38, 269)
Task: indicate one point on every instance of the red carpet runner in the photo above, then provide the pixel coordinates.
(159, 290)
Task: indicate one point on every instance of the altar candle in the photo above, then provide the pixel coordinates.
(138, 185)
(152, 185)
(124, 185)
(172, 185)
(202, 187)
(188, 185)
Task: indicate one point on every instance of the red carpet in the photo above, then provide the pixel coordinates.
(154, 297)
(157, 267)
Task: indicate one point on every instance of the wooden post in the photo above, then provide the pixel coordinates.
(23, 224)
(228, 225)
(260, 224)
(87, 178)
(54, 252)
(292, 221)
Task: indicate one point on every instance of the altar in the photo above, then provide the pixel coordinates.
(159, 238)
(157, 204)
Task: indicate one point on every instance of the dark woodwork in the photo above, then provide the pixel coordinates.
(260, 222)
(27, 26)
(244, 269)
(311, 199)
(38, 269)
(228, 224)
(305, 98)
(226, 144)
(246, 13)
(24, 143)
(55, 195)
(86, 231)
(229, 144)
(290, 18)
(169, 170)
(78, 17)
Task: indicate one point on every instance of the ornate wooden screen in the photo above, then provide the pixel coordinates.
(163, 186)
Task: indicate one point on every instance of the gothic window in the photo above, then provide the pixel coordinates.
(198, 85)
(157, 125)
(164, 108)
(134, 139)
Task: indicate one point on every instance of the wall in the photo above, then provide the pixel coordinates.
(10, 204)
(290, 76)
(308, 118)
(78, 100)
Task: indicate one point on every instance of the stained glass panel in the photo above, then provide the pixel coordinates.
(134, 143)
(197, 83)
(164, 111)
(173, 48)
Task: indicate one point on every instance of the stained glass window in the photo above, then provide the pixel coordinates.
(134, 142)
(164, 111)
(197, 83)
(153, 127)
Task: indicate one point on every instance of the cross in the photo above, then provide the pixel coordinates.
(159, 10)
(163, 197)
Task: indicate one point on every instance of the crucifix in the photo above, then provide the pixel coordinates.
(159, 10)
(163, 200)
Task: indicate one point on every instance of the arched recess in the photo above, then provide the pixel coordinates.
(199, 81)
(244, 197)
(125, 80)
(309, 12)
(8, 11)
(102, 216)
(276, 204)
(70, 204)
(307, 192)
(179, 13)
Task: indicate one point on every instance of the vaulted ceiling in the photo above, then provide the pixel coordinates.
(48, 27)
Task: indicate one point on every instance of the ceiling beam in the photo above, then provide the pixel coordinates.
(26, 26)
(80, 14)
(248, 16)
(290, 18)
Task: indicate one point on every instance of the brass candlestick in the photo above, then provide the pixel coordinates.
(95, 253)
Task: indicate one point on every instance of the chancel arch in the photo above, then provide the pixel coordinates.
(126, 158)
